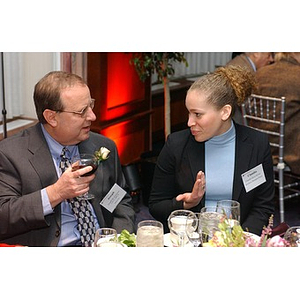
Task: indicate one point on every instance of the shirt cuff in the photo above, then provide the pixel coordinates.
(46, 203)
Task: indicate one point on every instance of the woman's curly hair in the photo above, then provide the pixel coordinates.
(226, 85)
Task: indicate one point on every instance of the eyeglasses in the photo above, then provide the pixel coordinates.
(83, 112)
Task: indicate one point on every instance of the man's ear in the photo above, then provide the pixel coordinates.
(226, 112)
(50, 116)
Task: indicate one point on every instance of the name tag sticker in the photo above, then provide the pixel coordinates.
(253, 178)
(113, 198)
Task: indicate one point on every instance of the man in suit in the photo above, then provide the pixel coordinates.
(34, 209)
(282, 79)
(251, 61)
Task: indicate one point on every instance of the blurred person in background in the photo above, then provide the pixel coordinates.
(282, 79)
(251, 61)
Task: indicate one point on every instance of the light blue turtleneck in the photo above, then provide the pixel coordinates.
(219, 167)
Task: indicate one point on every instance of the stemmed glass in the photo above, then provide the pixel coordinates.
(193, 229)
(232, 211)
(106, 237)
(177, 223)
(82, 161)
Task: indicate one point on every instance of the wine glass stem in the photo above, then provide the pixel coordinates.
(181, 240)
(86, 196)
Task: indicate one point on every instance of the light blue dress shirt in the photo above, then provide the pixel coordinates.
(219, 167)
(252, 63)
(69, 233)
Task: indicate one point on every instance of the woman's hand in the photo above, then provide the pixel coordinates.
(193, 199)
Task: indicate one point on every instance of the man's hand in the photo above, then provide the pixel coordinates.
(69, 185)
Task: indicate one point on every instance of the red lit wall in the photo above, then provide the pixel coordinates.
(122, 103)
(123, 83)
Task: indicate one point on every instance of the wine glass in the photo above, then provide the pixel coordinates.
(150, 233)
(232, 211)
(193, 229)
(209, 219)
(292, 235)
(177, 223)
(106, 237)
(82, 161)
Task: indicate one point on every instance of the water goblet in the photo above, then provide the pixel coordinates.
(209, 219)
(82, 161)
(106, 237)
(193, 230)
(232, 211)
(177, 223)
(150, 233)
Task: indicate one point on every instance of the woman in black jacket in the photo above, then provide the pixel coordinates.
(215, 158)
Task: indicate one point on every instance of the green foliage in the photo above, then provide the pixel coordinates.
(127, 238)
(147, 63)
(229, 236)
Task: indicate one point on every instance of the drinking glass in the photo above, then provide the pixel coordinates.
(106, 237)
(177, 222)
(231, 209)
(292, 235)
(193, 230)
(150, 233)
(82, 161)
(209, 220)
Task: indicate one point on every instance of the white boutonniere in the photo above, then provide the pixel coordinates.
(102, 154)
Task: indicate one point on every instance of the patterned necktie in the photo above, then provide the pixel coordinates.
(81, 210)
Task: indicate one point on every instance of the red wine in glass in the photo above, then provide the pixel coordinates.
(82, 161)
(84, 164)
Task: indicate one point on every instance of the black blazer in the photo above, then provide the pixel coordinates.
(182, 158)
(26, 167)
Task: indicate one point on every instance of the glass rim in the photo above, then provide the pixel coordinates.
(183, 212)
(210, 209)
(233, 203)
(106, 228)
(149, 222)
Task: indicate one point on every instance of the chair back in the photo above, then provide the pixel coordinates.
(267, 114)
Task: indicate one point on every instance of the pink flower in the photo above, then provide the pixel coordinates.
(250, 242)
(276, 241)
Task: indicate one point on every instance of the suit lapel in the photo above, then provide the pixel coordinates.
(41, 160)
(88, 146)
(196, 156)
(243, 150)
(96, 187)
